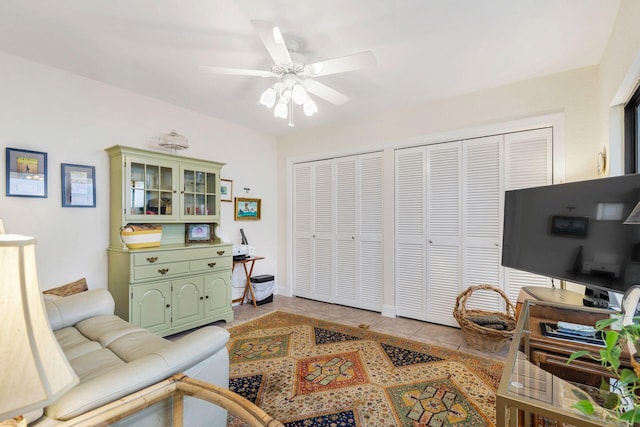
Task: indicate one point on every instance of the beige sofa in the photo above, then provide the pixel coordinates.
(113, 358)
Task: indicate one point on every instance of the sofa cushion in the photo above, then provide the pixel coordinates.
(137, 344)
(106, 329)
(74, 344)
(96, 363)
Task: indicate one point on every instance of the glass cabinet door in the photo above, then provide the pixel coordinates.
(200, 189)
(151, 193)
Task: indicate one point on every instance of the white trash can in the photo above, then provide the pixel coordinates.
(263, 288)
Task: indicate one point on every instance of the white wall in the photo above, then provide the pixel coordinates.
(572, 94)
(73, 119)
(619, 75)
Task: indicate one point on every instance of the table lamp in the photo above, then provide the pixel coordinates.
(33, 369)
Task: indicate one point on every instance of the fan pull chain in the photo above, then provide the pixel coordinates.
(291, 113)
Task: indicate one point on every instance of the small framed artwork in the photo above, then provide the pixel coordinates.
(247, 209)
(199, 233)
(226, 190)
(26, 173)
(78, 186)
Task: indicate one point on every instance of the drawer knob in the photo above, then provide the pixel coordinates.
(207, 297)
(163, 271)
(152, 259)
(220, 253)
(201, 298)
(168, 305)
(212, 264)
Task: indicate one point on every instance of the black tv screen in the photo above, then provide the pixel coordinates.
(576, 232)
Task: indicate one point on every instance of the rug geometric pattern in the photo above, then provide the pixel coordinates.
(313, 373)
(329, 372)
(248, 387)
(326, 336)
(403, 357)
(433, 404)
(259, 348)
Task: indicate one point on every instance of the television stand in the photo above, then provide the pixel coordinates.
(562, 296)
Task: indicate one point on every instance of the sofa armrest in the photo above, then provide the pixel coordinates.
(69, 310)
(194, 347)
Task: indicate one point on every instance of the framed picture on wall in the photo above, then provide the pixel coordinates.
(247, 209)
(226, 190)
(78, 186)
(26, 173)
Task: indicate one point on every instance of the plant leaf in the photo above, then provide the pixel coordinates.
(584, 406)
(605, 323)
(577, 355)
(611, 338)
(632, 415)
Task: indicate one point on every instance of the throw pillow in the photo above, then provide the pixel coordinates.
(76, 287)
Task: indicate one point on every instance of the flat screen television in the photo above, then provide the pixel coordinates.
(582, 232)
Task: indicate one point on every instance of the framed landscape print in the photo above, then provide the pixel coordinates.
(26, 173)
(78, 186)
(226, 190)
(247, 209)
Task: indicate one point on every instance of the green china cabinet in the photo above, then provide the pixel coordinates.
(177, 285)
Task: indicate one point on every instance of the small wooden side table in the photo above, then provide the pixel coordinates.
(247, 272)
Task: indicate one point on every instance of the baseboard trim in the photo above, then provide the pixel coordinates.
(388, 310)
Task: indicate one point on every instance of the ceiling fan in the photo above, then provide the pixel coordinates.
(295, 78)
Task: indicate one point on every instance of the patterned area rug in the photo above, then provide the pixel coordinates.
(312, 373)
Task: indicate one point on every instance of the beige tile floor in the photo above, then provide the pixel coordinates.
(430, 333)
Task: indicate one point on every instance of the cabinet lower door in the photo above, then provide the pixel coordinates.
(217, 300)
(151, 306)
(188, 300)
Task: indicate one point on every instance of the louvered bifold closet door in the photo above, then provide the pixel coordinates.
(369, 238)
(410, 233)
(323, 235)
(529, 163)
(443, 231)
(302, 230)
(482, 197)
(346, 202)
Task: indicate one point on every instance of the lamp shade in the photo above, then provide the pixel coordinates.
(33, 370)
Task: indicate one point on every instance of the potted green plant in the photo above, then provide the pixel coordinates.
(625, 334)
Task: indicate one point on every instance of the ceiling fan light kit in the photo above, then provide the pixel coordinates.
(296, 79)
(287, 93)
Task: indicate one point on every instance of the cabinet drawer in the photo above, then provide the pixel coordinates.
(210, 264)
(161, 257)
(160, 270)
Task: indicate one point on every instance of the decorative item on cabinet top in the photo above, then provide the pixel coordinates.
(173, 141)
(139, 236)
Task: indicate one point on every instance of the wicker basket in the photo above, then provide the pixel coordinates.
(481, 337)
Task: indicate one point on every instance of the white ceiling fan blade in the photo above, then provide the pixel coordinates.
(272, 39)
(342, 64)
(236, 71)
(324, 92)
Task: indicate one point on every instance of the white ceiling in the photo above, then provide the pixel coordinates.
(425, 49)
